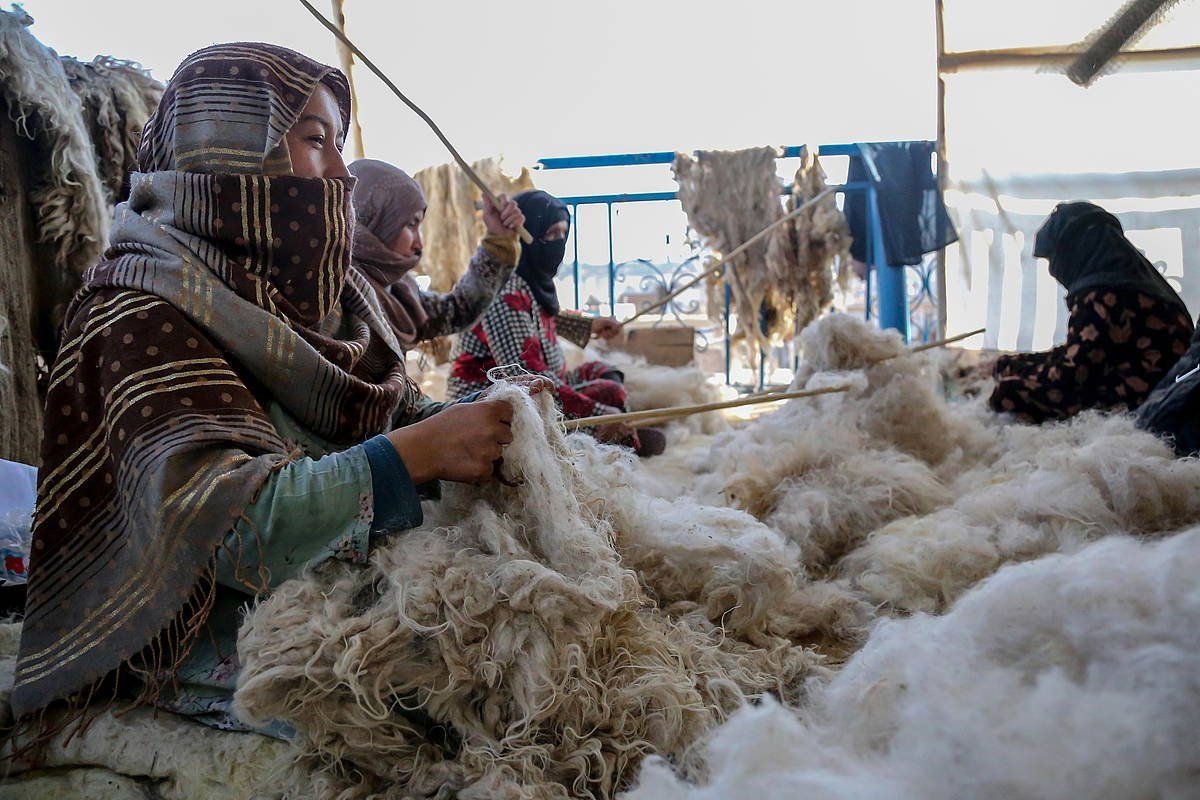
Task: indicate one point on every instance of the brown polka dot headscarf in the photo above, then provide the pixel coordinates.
(228, 107)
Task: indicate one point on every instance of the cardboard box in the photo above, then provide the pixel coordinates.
(665, 345)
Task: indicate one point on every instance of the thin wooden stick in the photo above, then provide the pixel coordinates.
(943, 342)
(658, 414)
(737, 251)
(341, 37)
(662, 414)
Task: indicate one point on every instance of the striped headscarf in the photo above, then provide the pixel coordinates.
(226, 288)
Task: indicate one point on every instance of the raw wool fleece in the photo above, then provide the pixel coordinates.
(653, 386)
(1070, 676)
(728, 197)
(1052, 488)
(910, 500)
(827, 471)
(812, 251)
(117, 98)
(69, 203)
(504, 649)
(453, 224)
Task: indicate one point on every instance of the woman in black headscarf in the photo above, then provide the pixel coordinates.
(524, 322)
(1128, 327)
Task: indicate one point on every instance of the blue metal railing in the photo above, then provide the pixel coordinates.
(886, 284)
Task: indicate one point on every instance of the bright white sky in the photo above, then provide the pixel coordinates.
(537, 78)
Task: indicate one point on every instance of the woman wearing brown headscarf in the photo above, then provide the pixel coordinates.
(389, 207)
(226, 406)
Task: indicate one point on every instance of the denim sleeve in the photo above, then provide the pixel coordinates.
(397, 504)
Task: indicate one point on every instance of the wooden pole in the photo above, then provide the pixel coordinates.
(943, 165)
(649, 415)
(659, 414)
(726, 259)
(341, 37)
(346, 58)
(943, 342)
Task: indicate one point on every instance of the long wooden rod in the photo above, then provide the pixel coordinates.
(684, 411)
(662, 414)
(341, 37)
(943, 342)
(737, 251)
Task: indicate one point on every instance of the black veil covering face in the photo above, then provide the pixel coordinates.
(540, 260)
(1087, 249)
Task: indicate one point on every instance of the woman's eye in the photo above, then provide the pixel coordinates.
(319, 141)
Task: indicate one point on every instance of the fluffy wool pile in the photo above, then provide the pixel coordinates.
(655, 386)
(1071, 676)
(527, 641)
(453, 223)
(1065, 663)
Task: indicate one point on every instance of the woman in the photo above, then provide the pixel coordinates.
(388, 208)
(226, 405)
(521, 328)
(1127, 327)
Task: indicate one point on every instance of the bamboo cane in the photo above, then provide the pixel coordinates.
(658, 414)
(341, 37)
(716, 267)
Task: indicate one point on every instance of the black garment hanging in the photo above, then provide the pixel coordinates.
(914, 219)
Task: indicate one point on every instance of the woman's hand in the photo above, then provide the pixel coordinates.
(532, 383)
(502, 221)
(605, 328)
(460, 443)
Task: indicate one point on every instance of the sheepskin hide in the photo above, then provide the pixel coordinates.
(116, 97)
(728, 197)
(453, 223)
(1070, 676)
(811, 251)
(69, 203)
(513, 646)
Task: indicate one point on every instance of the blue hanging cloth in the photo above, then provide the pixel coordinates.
(912, 215)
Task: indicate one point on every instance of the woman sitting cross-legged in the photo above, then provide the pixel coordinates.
(521, 328)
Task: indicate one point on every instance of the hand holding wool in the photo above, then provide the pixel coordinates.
(460, 443)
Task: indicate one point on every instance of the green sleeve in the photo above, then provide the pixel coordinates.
(308, 511)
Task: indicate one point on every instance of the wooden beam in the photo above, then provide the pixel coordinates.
(943, 166)
(1029, 57)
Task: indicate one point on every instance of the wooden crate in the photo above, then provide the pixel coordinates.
(665, 345)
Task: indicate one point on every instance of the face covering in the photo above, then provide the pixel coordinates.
(540, 260)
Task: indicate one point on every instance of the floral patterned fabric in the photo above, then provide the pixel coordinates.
(1120, 343)
(516, 330)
